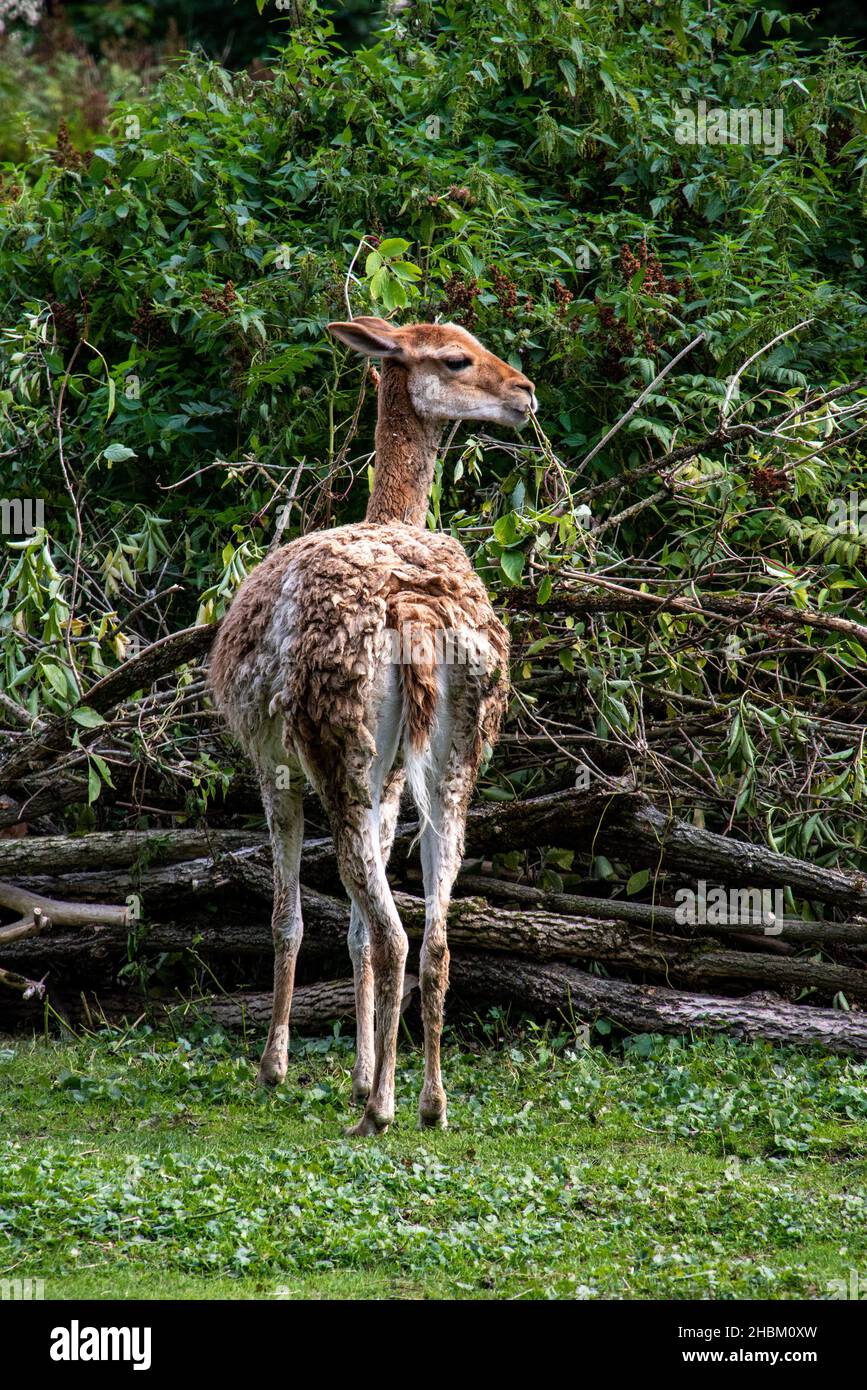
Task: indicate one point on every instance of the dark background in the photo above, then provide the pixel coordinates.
(237, 34)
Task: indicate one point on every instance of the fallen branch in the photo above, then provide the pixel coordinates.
(647, 915)
(717, 437)
(61, 854)
(622, 823)
(314, 1007)
(138, 673)
(28, 989)
(561, 990)
(473, 923)
(618, 598)
(33, 925)
(65, 914)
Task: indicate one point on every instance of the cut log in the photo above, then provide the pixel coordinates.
(63, 854)
(624, 824)
(474, 923)
(646, 915)
(562, 990)
(314, 1007)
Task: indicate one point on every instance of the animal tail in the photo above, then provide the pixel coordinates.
(421, 678)
(427, 652)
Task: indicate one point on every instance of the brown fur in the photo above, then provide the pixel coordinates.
(349, 586)
(406, 451)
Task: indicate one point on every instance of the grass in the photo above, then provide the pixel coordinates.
(141, 1165)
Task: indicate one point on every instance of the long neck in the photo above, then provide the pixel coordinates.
(406, 451)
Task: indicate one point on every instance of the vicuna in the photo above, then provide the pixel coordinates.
(303, 670)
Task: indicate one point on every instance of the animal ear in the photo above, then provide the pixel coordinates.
(371, 337)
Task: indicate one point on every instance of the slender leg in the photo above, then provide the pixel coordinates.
(285, 812)
(362, 970)
(442, 844)
(359, 949)
(359, 858)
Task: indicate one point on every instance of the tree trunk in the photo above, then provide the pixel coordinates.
(647, 915)
(60, 855)
(563, 990)
(624, 824)
(473, 923)
(314, 1007)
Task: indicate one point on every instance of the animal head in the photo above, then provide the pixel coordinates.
(450, 376)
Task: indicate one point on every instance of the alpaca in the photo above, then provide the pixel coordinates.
(314, 674)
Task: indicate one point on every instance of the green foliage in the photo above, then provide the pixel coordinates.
(671, 1170)
(512, 165)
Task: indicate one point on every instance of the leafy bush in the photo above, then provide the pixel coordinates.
(512, 166)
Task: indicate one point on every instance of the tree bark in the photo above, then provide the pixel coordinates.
(648, 915)
(563, 990)
(473, 923)
(760, 609)
(60, 911)
(622, 823)
(314, 1007)
(105, 849)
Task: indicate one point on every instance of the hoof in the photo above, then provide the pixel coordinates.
(432, 1109)
(272, 1070)
(433, 1119)
(369, 1126)
(360, 1092)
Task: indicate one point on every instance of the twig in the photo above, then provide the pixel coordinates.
(643, 397)
(29, 989)
(733, 381)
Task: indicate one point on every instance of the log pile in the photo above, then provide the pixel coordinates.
(104, 925)
(90, 907)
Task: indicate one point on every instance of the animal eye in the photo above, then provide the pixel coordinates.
(455, 364)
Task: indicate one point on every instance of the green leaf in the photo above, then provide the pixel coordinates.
(804, 208)
(94, 784)
(393, 246)
(378, 283)
(568, 71)
(638, 881)
(87, 718)
(56, 677)
(512, 562)
(505, 529)
(103, 768)
(118, 453)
